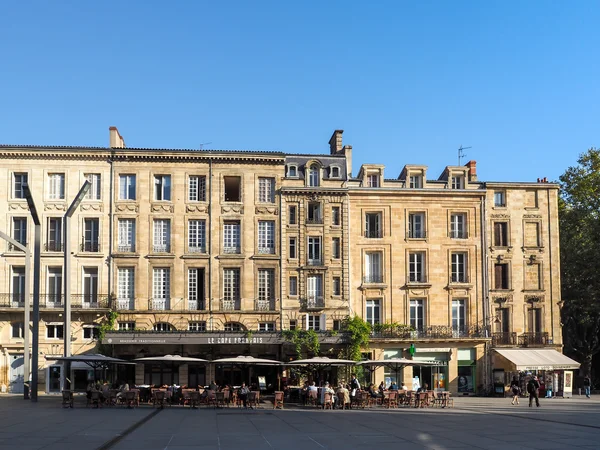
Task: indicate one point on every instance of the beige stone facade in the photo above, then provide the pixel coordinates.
(213, 253)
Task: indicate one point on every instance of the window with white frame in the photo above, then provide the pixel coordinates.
(458, 182)
(335, 172)
(127, 187)
(56, 186)
(54, 330)
(314, 291)
(266, 326)
(17, 292)
(95, 190)
(314, 250)
(91, 236)
(336, 286)
(91, 332)
(161, 288)
(415, 181)
(314, 175)
(458, 226)
(293, 215)
(233, 327)
(197, 236)
(266, 237)
(19, 231)
(125, 288)
(373, 267)
(315, 322)
(231, 287)
(417, 314)
(293, 286)
(162, 326)
(126, 235)
(416, 225)
(197, 326)
(266, 288)
(197, 188)
(266, 190)
(459, 267)
(55, 238)
(162, 236)
(336, 216)
(458, 315)
(54, 286)
(293, 248)
(292, 171)
(231, 237)
(416, 267)
(17, 330)
(162, 187)
(195, 288)
(126, 326)
(336, 248)
(19, 181)
(373, 311)
(373, 180)
(90, 287)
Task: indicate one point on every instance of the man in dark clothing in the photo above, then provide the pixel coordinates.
(533, 388)
(587, 384)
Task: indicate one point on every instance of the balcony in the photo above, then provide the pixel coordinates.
(196, 249)
(504, 338)
(373, 234)
(126, 248)
(266, 250)
(90, 247)
(533, 339)
(375, 278)
(314, 221)
(124, 303)
(159, 304)
(196, 305)
(14, 248)
(12, 300)
(314, 302)
(416, 278)
(161, 248)
(53, 247)
(51, 301)
(232, 250)
(314, 262)
(459, 234)
(416, 234)
(264, 305)
(90, 301)
(431, 332)
(230, 304)
(459, 278)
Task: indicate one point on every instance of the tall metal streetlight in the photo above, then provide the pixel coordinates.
(37, 246)
(67, 266)
(27, 307)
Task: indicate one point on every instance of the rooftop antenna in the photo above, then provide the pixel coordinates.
(203, 144)
(461, 153)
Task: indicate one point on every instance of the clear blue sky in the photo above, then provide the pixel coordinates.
(409, 82)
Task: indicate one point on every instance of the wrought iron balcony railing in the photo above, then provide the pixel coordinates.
(196, 305)
(196, 249)
(159, 304)
(416, 234)
(90, 247)
(375, 278)
(504, 338)
(54, 247)
(124, 303)
(266, 250)
(431, 332)
(417, 278)
(459, 278)
(126, 248)
(230, 304)
(314, 262)
(264, 304)
(459, 234)
(314, 221)
(14, 248)
(90, 301)
(231, 250)
(314, 302)
(12, 300)
(161, 248)
(373, 234)
(533, 339)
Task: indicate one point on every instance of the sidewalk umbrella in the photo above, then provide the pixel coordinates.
(243, 360)
(396, 364)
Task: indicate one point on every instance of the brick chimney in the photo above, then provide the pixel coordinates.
(472, 166)
(335, 143)
(115, 138)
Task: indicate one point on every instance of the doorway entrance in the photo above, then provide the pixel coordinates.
(17, 373)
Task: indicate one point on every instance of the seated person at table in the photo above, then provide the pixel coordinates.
(404, 388)
(423, 388)
(393, 386)
(327, 389)
(243, 394)
(343, 389)
(372, 392)
(381, 388)
(213, 386)
(124, 388)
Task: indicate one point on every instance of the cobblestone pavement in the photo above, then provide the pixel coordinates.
(474, 423)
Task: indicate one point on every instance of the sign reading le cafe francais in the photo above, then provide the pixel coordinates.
(223, 338)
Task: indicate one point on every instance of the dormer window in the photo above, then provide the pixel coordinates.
(292, 171)
(373, 180)
(415, 182)
(458, 182)
(335, 172)
(313, 175)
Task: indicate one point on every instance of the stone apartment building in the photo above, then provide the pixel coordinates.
(212, 253)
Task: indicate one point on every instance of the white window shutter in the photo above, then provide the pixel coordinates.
(306, 321)
(323, 323)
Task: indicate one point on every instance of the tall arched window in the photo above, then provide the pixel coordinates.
(313, 175)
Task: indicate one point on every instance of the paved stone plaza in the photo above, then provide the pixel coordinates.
(473, 424)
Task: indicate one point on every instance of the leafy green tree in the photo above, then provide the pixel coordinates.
(579, 221)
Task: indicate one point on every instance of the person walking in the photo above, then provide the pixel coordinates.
(587, 385)
(533, 387)
(515, 389)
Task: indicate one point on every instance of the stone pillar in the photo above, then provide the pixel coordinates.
(453, 371)
(183, 374)
(139, 374)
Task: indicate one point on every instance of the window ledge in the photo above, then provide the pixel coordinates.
(126, 255)
(195, 256)
(89, 255)
(161, 255)
(231, 256)
(418, 284)
(264, 256)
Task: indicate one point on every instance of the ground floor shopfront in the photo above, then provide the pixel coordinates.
(460, 367)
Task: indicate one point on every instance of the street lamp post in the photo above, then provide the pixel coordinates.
(67, 266)
(27, 307)
(37, 246)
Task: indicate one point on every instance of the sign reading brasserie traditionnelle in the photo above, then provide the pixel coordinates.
(202, 338)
